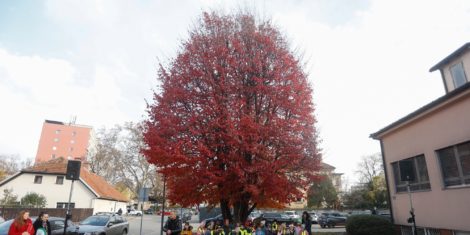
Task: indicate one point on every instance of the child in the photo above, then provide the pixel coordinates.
(291, 229)
(201, 230)
(210, 229)
(187, 229)
(298, 229)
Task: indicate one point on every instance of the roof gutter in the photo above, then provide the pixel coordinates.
(450, 57)
(450, 97)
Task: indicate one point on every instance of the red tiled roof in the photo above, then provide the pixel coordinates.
(95, 182)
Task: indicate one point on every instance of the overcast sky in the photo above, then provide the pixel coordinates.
(96, 59)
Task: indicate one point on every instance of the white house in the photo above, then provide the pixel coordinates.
(48, 179)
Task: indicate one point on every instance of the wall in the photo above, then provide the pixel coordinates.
(66, 140)
(53, 192)
(102, 205)
(465, 58)
(438, 208)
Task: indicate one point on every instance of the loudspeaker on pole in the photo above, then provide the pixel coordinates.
(73, 170)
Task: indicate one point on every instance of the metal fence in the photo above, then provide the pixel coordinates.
(78, 214)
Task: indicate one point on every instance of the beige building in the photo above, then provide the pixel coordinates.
(328, 170)
(435, 140)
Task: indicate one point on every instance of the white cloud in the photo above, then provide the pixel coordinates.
(33, 89)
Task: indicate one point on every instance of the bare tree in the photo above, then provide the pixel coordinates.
(369, 167)
(11, 164)
(133, 165)
(105, 160)
(119, 160)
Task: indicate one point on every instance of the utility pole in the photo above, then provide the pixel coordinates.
(412, 210)
(68, 215)
(163, 205)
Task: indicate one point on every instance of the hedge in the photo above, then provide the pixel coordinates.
(369, 225)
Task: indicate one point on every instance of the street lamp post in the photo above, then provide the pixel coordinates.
(163, 205)
(412, 210)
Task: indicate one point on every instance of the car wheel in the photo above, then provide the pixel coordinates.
(124, 232)
(139, 214)
(323, 226)
(329, 225)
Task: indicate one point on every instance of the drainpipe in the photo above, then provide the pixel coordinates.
(389, 201)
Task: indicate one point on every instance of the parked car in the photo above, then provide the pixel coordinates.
(104, 213)
(167, 213)
(218, 220)
(104, 224)
(149, 212)
(314, 217)
(331, 220)
(185, 217)
(271, 216)
(135, 213)
(253, 215)
(293, 215)
(57, 226)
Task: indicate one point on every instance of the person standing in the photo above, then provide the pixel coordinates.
(172, 225)
(307, 221)
(22, 225)
(42, 223)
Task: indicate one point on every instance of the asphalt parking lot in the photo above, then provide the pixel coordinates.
(151, 225)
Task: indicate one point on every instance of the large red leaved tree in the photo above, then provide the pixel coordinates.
(233, 123)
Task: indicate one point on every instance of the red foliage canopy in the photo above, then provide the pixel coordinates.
(234, 121)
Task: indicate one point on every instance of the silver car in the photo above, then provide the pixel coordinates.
(103, 224)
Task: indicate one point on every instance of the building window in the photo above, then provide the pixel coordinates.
(458, 75)
(54, 148)
(74, 133)
(53, 156)
(38, 179)
(72, 141)
(57, 131)
(455, 164)
(59, 180)
(63, 205)
(56, 139)
(420, 171)
(71, 149)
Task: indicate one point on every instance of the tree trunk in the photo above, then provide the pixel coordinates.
(225, 208)
(241, 211)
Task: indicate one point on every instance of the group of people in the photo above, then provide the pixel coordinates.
(173, 227)
(23, 225)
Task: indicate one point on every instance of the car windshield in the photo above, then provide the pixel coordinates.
(254, 214)
(95, 221)
(290, 213)
(271, 215)
(5, 226)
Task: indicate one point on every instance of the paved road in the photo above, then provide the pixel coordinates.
(151, 225)
(317, 228)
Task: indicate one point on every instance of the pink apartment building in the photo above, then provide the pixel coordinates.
(67, 140)
(436, 140)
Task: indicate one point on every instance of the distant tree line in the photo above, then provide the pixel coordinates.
(369, 193)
